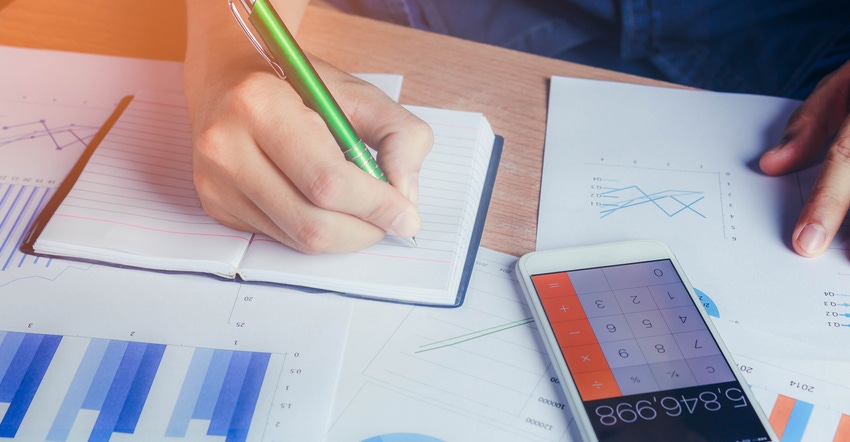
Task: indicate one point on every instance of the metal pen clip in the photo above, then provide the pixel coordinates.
(276, 67)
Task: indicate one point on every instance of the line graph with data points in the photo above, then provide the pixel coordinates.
(671, 202)
(40, 132)
(40, 142)
(662, 197)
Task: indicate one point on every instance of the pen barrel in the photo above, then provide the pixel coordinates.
(359, 155)
(303, 77)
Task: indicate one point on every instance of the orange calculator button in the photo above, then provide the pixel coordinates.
(563, 308)
(553, 285)
(585, 358)
(597, 385)
(574, 333)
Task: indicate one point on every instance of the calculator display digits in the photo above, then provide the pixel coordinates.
(641, 356)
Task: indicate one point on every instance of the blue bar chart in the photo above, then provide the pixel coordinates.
(149, 356)
(91, 352)
(19, 207)
(19, 204)
(113, 386)
(24, 359)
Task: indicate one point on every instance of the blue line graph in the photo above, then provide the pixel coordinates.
(671, 202)
(59, 137)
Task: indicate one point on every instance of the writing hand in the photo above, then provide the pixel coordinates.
(264, 162)
(822, 117)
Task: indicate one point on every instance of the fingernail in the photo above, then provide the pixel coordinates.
(405, 225)
(811, 238)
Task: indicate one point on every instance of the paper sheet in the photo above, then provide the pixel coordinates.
(807, 398)
(53, 102)
(182, 332)
(477, 372)
(631, 162)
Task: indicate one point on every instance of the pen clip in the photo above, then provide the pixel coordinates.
(276, 67)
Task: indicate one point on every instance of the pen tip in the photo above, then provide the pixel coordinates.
(413, 241)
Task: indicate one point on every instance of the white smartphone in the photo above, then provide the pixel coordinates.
(636, 355)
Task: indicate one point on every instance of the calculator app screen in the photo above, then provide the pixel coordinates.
(642, 357)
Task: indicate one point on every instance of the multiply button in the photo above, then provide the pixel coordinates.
(585, 358)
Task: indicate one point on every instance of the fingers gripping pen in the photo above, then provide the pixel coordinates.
(289, 62)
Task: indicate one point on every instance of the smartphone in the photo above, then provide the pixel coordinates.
(635, 352)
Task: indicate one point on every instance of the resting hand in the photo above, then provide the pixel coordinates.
(264, 162)
(823, 116)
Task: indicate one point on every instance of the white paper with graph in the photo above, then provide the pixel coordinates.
(102, 353)
(626, 162)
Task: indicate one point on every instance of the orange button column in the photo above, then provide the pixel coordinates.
(576, 339)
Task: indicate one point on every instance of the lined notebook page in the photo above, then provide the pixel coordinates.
(135, 202)
(450, 187)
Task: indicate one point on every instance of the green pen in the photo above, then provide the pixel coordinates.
(289, 62)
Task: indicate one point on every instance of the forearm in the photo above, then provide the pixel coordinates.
(214, 39)
(209, 17)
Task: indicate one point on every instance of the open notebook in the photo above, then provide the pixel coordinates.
(131, 202)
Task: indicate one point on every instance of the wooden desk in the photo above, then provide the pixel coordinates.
(509, 87)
